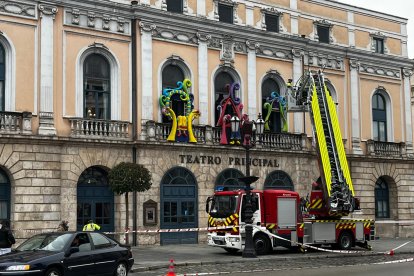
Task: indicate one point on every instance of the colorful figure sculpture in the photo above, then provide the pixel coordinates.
(276, 103)
(182, 129)
(230, 107)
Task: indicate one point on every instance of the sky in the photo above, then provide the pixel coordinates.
(401, 8)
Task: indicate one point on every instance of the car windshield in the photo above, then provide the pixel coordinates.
(48, 242)
(223, 206)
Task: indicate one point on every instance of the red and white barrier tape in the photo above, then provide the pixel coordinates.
(127, 231)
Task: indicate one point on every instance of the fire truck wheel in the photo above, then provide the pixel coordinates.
(345, 241)
(261, 244)
(231, 250)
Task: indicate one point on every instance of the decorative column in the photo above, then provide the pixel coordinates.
(406, 74)
(249, 15)
(251, 79)
(298, 117)
(203, 77)
(46, 120)
(355, 111)
(146, 73)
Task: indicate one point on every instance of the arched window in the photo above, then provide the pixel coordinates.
(331, 90)
(382, 199)
(222, 81)
(97, 92)
(4, 196)
(228, 179)
(269, 86)
(278, 180)
(2, 78)
(171, 75)
(379, 117)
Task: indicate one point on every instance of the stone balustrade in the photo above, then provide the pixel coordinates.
(211, 135)
(15, 123)
(390, 149)
(99, 129)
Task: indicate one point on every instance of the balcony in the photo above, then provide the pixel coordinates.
(211, 136)
(99, 129)
(383, 149)
(15, 123)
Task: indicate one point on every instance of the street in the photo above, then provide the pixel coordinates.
(342, 265)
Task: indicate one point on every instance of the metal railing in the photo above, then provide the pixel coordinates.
(96, 128)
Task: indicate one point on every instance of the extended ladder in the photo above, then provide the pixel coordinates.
(333, 165)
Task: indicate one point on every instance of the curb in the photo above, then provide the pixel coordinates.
(259, 259)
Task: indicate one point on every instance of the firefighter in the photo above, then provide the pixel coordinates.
(91, 226)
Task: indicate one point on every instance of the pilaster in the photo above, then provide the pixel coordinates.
(46, 120)
(406, 74)
(203, 77)
(355, 111)
(297, 73)
(251, 79)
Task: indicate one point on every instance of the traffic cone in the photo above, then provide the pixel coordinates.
(171, 269)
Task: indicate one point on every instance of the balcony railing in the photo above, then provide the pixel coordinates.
(15, 123)
(211, 135)
(95, 128)
(385, 148)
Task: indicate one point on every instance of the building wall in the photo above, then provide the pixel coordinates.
(44, 169)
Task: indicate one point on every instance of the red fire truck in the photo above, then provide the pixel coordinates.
(321, 220)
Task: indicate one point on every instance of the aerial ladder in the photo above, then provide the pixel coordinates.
(333, 194)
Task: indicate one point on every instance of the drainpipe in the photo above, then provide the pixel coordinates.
(134, 114)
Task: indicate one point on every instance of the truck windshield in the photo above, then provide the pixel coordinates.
(223, 206)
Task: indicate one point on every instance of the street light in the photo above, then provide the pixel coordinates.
(260, 126)
(247, 132)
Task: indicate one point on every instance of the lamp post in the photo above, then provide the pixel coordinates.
(247, 132)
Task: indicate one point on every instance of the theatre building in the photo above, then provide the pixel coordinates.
(85, 85)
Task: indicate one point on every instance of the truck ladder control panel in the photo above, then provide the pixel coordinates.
(335, 181)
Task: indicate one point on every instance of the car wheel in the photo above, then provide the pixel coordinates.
(262, 244)
(53, 272)
(121, 270)
(345, 241)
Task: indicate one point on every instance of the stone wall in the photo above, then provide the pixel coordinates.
(44, 180)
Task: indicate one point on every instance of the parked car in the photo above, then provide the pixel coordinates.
(66, 254)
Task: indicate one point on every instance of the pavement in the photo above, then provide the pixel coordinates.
(157, 257)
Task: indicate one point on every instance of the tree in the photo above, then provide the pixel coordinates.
(129, 177)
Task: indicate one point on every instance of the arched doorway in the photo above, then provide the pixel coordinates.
(95, 199)
(179, 206)
(4, 195)
(278, 180)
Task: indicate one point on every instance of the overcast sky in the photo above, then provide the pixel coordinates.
(401, 8)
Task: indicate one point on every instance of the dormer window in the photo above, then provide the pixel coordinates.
(225, 13)
(272, 22)
(175, 6)
(323, 34)
(323, 31)
(378, 45)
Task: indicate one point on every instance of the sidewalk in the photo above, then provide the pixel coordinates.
(154, 257)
